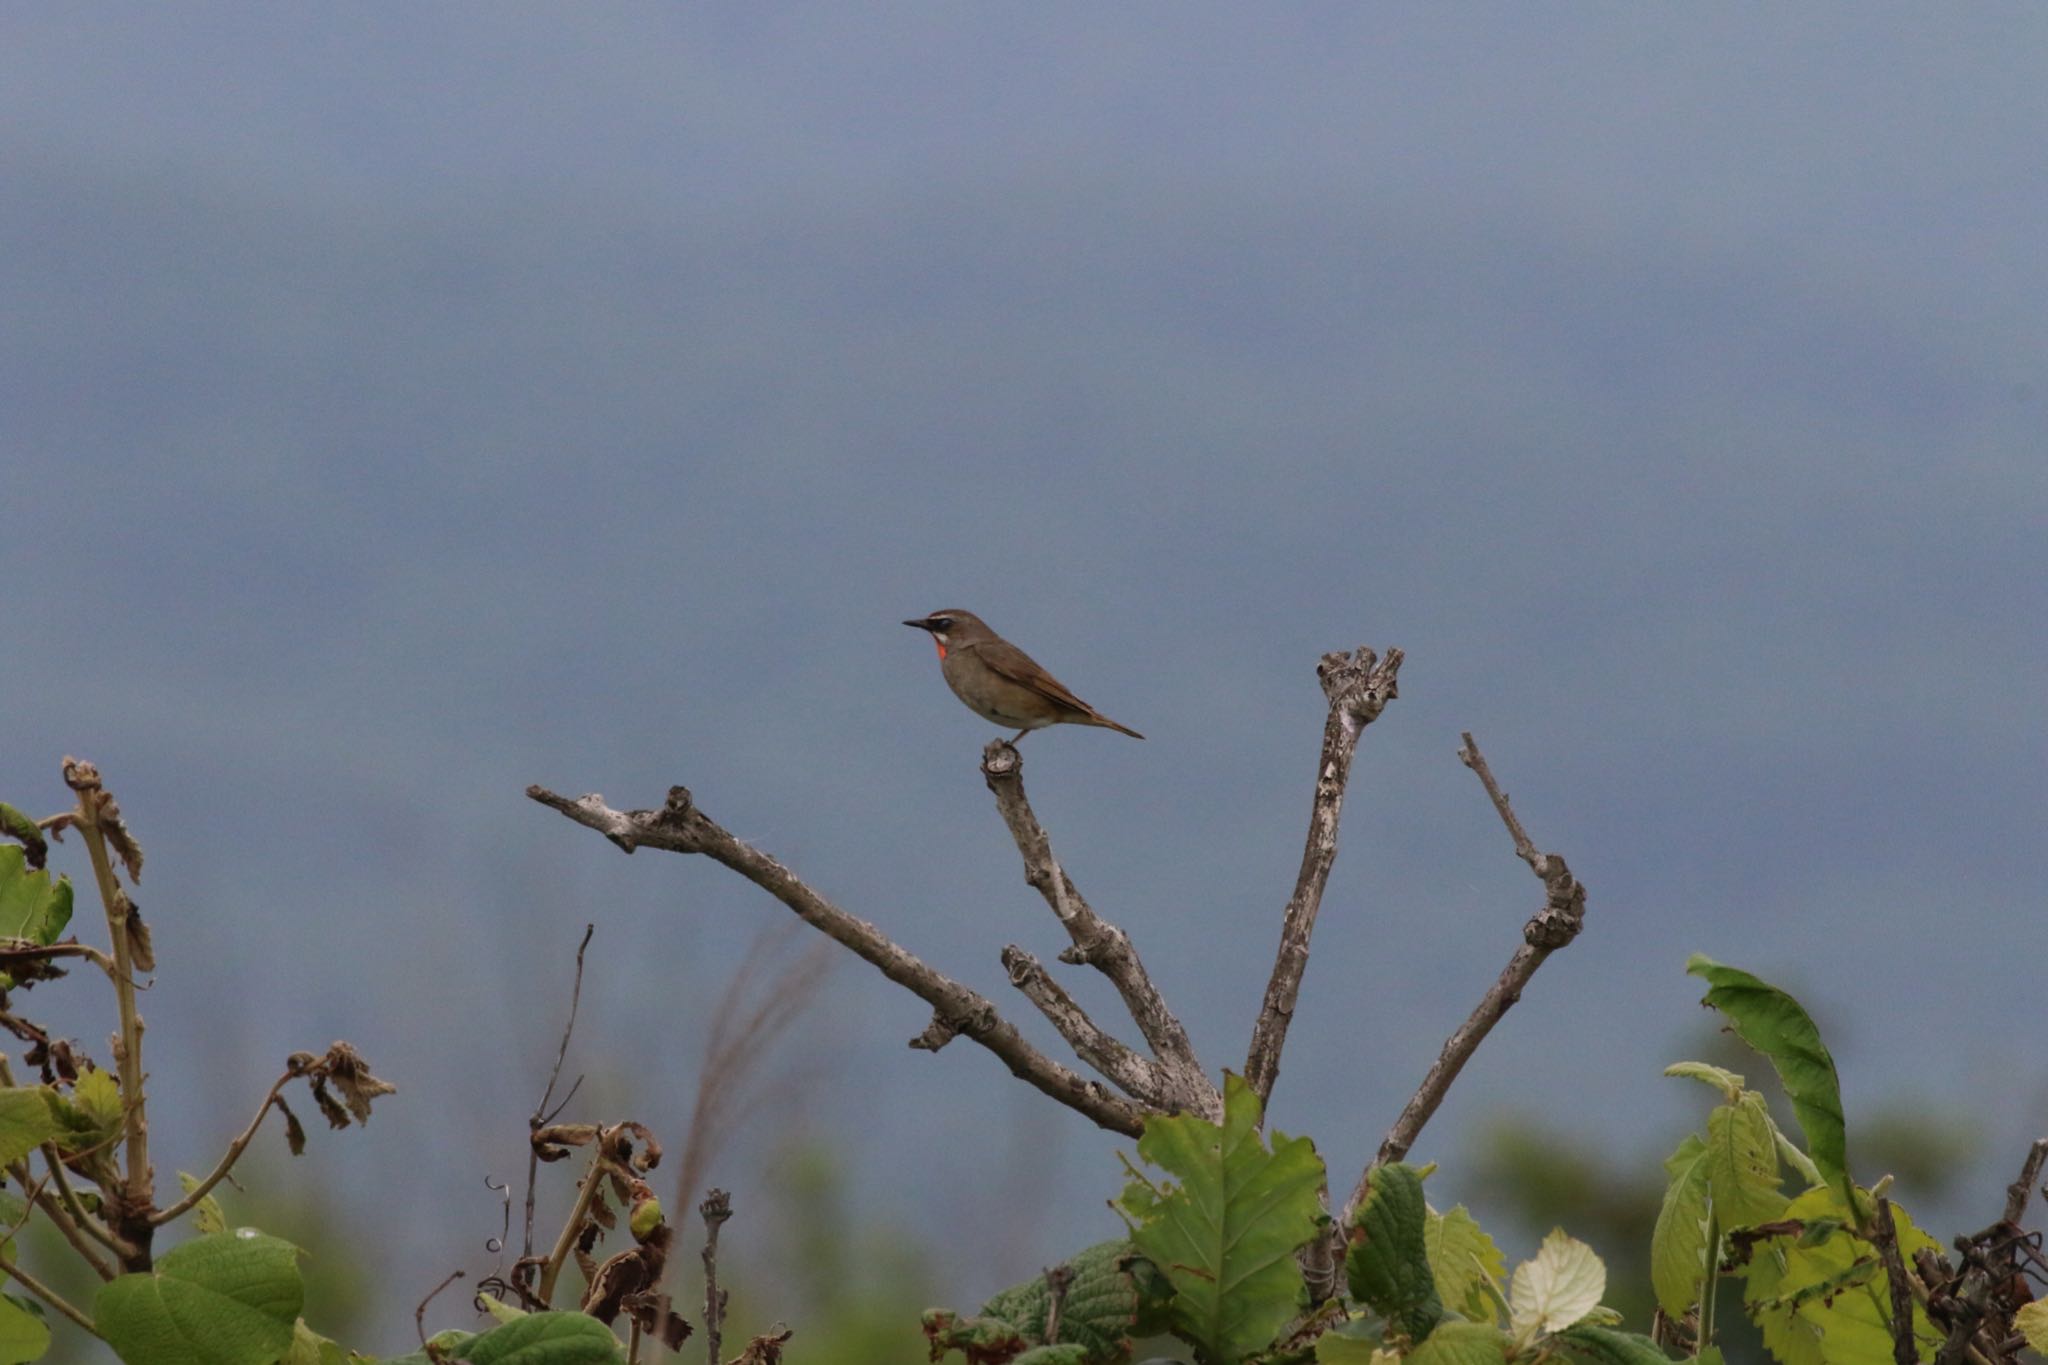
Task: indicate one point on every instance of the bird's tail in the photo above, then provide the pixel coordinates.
(1097, 718)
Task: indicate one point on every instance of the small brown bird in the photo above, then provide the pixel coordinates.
(1002, 683)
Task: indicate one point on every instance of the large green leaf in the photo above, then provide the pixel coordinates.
(1388, 1264)
(27, 1120)
(1464, 1262)
(1226, 1235)
(1742, 1164)
(1776, 1025)
(229, 1299)
(1828, 1302)
(544, 1339)
(1678, 1246)
(1462, 1343)
(24, 1336)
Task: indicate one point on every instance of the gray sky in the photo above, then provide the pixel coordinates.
(405, 404)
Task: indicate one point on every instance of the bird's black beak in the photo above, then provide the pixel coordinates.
(921, 625)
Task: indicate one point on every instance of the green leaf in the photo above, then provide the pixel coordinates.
(24, 1336)
(310, 1348)
(1559, 1287)
(1335, 1348)
(206, 1214)
(1678, 1246)
(1709, 1355)
(27, 1119)
(544, 1339)
(1774, 1024)
(1462, 1343)
(98, 1096)
(1464, 1262)
(228, 1299)
(1604, 1346)
(2032, 1322)
(1742, 1164)
(1388, 1264)
(1827, 1301)
(1719, 1077)
(31, 905)
(17, 825)
(1111, 1289)
(1225, 1237)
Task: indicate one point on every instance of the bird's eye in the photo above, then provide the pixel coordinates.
(942, 623)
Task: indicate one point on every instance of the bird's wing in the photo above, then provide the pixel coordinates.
(1014, 664)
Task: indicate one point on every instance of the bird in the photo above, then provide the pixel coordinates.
(1000, 682)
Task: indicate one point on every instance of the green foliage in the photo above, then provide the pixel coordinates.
(1605, 1346)
(28, 1119)
(225, 1299)
(1226, 1235)
(1776, 1025)
(1112, 1294)
(24, 1336)
(32, 906)
(1824, 1298)
(1462, 1343)
(544, 1339)
(1465, 1264)
(1388, 1263)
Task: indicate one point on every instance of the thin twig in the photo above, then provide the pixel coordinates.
(54, 1210)
(716, 1208)
(91, 1226)
(30, 950)
(1358, 687)
(1179, 1079)
(49, 1296)
(1551, 928)
(419, 1314)
(679, 827)
(541, 1117)
(1887, 1239)
(228, 1158)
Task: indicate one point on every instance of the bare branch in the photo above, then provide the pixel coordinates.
(1358, 687)
(716, 1208)
(1551, 928)
(1130, 1073)
(1904, 1352)
(2021, 1190)
(680, 827)
(1182, 1083)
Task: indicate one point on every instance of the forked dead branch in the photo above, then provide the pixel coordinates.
(1163, 1076)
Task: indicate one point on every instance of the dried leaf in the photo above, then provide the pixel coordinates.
(16, 825)
(139, 949)
(764, 1350)
(337, 1117)
(351, 1076)
(620, 1275)
(648, 1311)
(294, 1131)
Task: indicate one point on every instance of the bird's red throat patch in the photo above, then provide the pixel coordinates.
(941, 646)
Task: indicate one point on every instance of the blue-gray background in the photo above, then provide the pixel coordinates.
(406, 404)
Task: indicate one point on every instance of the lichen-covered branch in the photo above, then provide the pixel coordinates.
(1551, 928)
(1358, 687)
(1110, 1056)
(679, 827)
(1180, 1081)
